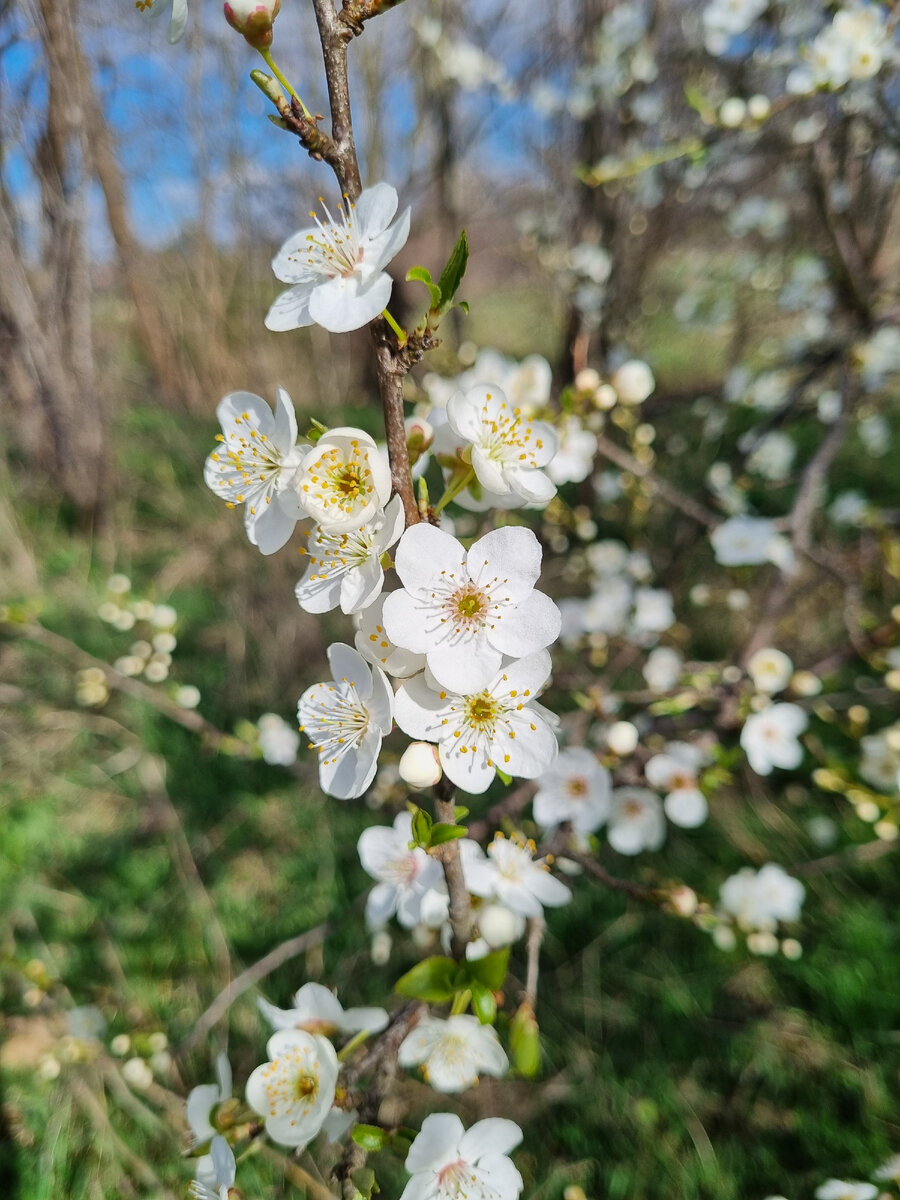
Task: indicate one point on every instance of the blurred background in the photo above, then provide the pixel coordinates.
(633, 186)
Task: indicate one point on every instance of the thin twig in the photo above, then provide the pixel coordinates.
(661, 487)
(636, 890)
(536, 929)
(867, 852)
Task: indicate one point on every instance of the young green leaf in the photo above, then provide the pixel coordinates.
(370, 1137)
(490, 971)
(433, 980)
(442, 832)
(423, 275)
(484, 1004)
(452, 274)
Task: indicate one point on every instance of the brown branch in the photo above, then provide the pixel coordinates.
(252, 975)
(449, 855)
(867, 852)
(510, 806)
(660, 487)
(536, 929)
(636, 890)
(355, 13)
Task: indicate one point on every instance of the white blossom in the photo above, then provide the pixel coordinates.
(889, 1170)
(345, 567)
(880, 765)
(294, 1090)
(204, 1098)
(662, 670)
(758, 900)
(675, 772)
(497, 727)
(575, 452)
(511, 874)
(336, 267)
(577, 789)
(343, 480)
(452, 1053)
(633, 382)
(770, 670)
(256, 465)
(317, 1010)
(747, 541)
(403, 875)
(465, 610)
(177, 20)
(278, 740)
(214, 1173)
(770, 738)
(636, 822)
(448, 1162)
(346, 720)
(843, 1189)
(507, 447)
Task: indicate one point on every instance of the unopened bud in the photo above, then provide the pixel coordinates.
(499, 925)
(684, 901)
(253, 20)
(420, 766)
(622, 737)
(419, 436)
(587, 380)
(525, 1042)
(633, 382)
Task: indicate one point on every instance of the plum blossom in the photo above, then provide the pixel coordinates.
(748, 541)
(511, 874)
(758, 900)
(844, 1189)
(317, 1010)
(577, 789)
(675, 773)
(770, 670)
(452, 1053)
(723, 19)
(880, 763)
(447, 1162)
(294, 1090)
(633, 382)
(375, 646)
(278, 740)
(256, 465)
(636, 822)
(203, 1099)
(403, 875)
(465, 610)
(575, 454)
(343, 480)
(889, 1170)
(508, 448)
(336, 268)
(662, 670)
(177, 20)
(480, 731)
(214, 1173)
(345, 567)
(770, 738)
(346, 721)
(850, 48)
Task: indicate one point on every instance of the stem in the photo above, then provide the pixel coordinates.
(355, 1041)
(402, 339)
(274, 68)
(454, 489)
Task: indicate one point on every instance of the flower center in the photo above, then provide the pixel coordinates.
(451, 1178)
(333, 250)
(577, 787)
(632, 808)
(348, 481)
(470, 604)
(481, 710)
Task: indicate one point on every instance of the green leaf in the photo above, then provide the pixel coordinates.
(490, 971)
(442, 832)
(423, 275)
(364, 1178)
(483, 1004)
(421, 826)
(370, 1137)
(452, 274)
(525, 1042)
(507, 779)
(432, 979)
(459, 812)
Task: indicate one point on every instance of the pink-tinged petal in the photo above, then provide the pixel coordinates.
(341, 304)
(534, 623)
(348, 664)
(284, 435)
(533, 486)
(494, 1136)
(489, 473)
(512, 554)
(318, 594)
(437, 1145)
(424, 553)
(686, 807)
(423, 1186)
(468, 769)
(419, 710)
(466, 665)
(374, 210)
(290, 310)
(387, 245)
(270, 527)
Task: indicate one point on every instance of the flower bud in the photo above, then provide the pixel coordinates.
(633, 382)
(253, 19)
(622, 737)
(419, 436)
(420, 766)
(499, 926)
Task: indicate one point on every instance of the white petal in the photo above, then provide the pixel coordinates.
(285, 433)
(316, 594)
(360, 586)
(348, 664)
(381, 702)
(290, 265)
(423, 1186)
(419, 710)
(381, 904)
(464, 415)
(469, 771)
(348, 776)
(493, 1136)
(548, 889)
(290, 310)
(269, 529)
(341, 304)
(373, 1020)
(179, 20)
(686, 807)
(231, 408)
(374, 210)
(437, 1144)
(200, 1103)
(423, 554)
(513, 554)
(533, 486)
(534, 623)
(464, 666)
(489, 473)
(383, 248)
